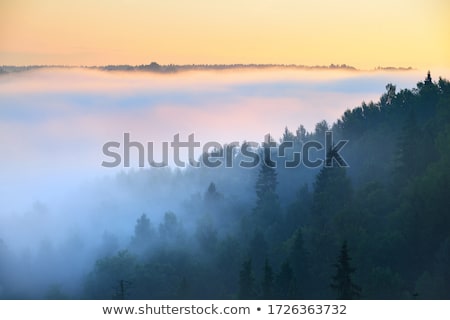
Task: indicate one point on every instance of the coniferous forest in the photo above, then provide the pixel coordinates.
(377, 229)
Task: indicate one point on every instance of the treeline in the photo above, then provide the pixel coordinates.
(172, 68)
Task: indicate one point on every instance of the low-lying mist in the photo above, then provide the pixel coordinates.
(61, 211)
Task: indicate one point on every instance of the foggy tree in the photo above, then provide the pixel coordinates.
(300, 134)
(206, 233)
(320, 129)
(246, 281)
(332, 192)
(408, 166)
(299, 211)
(267, 284)
(258, 249)
(299, 260)
(390, 95)
(103, 281)
(170, 229)
(285, 282)
(342, 282)
(122, 290)
(143, 233)
(212, 195)
(267, 204)
(287, 136)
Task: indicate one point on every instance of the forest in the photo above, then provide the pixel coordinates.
(377, 229)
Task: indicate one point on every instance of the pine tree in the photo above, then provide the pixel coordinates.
(299, 260)
(246, 281)
(267, 283)
(285, 282)
(212, 195)
(407, 166)
(342, 281)
(143, 233)
(287, 135)
(267, 203)
(258, 249)
(332, 193)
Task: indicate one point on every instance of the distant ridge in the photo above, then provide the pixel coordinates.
(173, 68)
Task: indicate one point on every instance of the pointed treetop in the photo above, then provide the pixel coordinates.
(428, 80)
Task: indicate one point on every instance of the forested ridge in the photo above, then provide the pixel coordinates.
(377, 229)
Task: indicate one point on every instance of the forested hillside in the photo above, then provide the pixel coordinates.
(377, 229)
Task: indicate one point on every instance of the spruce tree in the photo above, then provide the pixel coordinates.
(267, 203)
(299, 260)
(246, 281)
(267, 283)
(342, 281)
(285, 282)
(143, 233)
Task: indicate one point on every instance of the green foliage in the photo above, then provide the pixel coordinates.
(267, 284)
(342, 280)
(246, 281)
(285, 282)
(267, 204)
(300, 264)
(104, 280)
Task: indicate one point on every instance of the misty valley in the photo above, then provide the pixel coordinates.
(378, 228)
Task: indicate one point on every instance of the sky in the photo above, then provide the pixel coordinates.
(364, 34)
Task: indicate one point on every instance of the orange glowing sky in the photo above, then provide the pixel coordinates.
(359, 33)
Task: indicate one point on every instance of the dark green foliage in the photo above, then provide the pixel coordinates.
(298, 212)
(342, 281)
(300, 264)
(104, 281)
(332, 192)
(285, 282)
(267, 284)
(267, 204)
(246, 281)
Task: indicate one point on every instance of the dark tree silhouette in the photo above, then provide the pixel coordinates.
(285, 282)
(143, 233)
(299, 260)
(342, 281)
(246, 281)
(267, 203)
(267, 283)
(212, 195)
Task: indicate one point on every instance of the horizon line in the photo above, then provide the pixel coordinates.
(171, 68)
